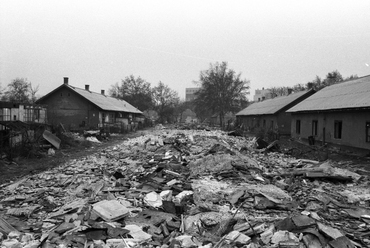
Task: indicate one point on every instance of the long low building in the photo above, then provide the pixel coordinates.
(338, 114)
(271, 114)
(81, 108)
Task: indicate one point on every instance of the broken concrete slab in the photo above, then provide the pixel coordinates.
(329, 231)
(185, 178)
(110, 210)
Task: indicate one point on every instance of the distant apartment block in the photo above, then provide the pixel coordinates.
(261, 95)
(190, 93)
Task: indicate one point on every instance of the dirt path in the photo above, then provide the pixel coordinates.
(23, 166)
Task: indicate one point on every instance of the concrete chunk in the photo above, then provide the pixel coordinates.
(110, 210)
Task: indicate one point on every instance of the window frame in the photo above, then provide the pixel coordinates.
(298, 126)
(315, 124)
(338, 129)
(367, 131)
(6, 114)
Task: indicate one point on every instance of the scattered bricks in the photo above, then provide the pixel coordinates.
(189, 188)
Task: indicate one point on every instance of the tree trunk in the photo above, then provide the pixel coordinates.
(221, 120)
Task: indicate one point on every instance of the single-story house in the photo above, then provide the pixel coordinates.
(338, 114)
(188, 116)
(270, 115)
(229, 118)
(77, 108)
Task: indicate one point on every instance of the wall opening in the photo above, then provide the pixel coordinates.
(314, 127)
(337, 129)
(367, 132)
(298, 126)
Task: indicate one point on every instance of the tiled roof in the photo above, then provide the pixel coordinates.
(106, 102)
(350, 94)
(271, 106)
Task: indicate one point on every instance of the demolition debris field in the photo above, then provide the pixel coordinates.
(186, 188)
(11, 169)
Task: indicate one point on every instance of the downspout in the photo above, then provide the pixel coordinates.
(324, 130)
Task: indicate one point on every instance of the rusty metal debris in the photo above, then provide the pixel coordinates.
(188, 188)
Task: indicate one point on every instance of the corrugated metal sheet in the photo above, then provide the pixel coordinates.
(106, 102)
(351, 94)
(270, 106)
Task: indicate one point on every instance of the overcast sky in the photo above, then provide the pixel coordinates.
(271, 43)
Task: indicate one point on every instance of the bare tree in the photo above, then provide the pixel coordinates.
(33, 92)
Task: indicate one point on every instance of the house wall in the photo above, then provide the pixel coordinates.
(188, 116)
(353, 127)
(17, 112)
(261, 95)
(70, 109)
(190, 94)
(284, 121)
(280, 122)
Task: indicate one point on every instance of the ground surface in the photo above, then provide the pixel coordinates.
(24, 166)
(212, 183)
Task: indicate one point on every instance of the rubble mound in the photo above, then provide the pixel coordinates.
(187, 188)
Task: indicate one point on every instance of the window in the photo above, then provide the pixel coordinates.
(36, 114)
(5, 114)
(337, 129)
(298, 126)
(111, 118)
(28, 114)
(264, 123)
(272, 125)
(367, 131)
(314, 127)
(31, 115)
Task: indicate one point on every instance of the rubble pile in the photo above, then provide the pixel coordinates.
(188, 188)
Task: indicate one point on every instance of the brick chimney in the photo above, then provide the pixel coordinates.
(103, 92)
(87, 87)
(65, 80)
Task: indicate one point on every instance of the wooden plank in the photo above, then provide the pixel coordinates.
(52, 139)
(6, 227)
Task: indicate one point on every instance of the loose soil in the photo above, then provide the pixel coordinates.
(24, 166)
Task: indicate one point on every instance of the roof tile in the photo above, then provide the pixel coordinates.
(271, 106)
(350, 94)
